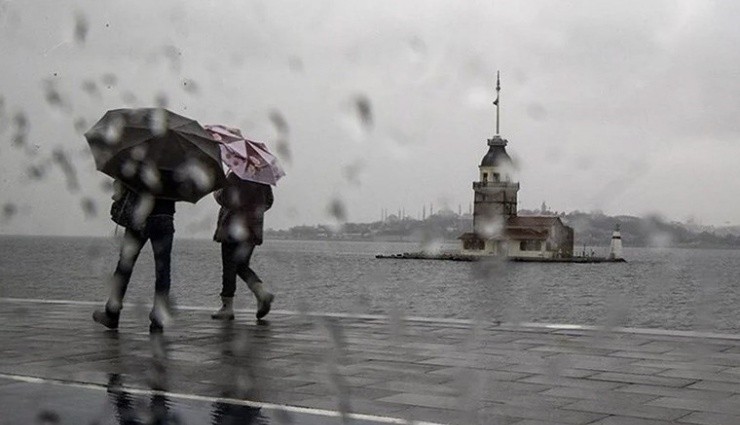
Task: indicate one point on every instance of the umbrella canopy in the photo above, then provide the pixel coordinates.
(156, 151)
(248, 159)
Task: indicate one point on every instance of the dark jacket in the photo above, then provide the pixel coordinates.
(243, 205)
(142, 213)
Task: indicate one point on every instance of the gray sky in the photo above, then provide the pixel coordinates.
(626, 107)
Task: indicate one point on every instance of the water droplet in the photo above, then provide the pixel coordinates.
(352, 172)
(195, 173)
(70, 173)
(174, 56)
(22, 126)
(281, 125)
(9, 211)
(190, 86)
(109, 79)
(282, 129)
(89, 207)
(161, 100)
(295, 64)
(149, 175)
(138, 153)
(358, 119)
(158, 122)
(337, 210)
(114, 130)
(81, 28)
(36, 172)
(80, 125)
(238, 231)
(537, 112)
(129, 98)
(364, 111)
(53, 97)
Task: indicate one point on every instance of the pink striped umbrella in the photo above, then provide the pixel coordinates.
(248, 159)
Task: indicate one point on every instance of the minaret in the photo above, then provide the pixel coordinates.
(615, 250)
(496, 191)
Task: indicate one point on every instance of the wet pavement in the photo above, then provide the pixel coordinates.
(57, 366)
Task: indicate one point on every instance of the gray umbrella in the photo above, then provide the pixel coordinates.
(156, 151)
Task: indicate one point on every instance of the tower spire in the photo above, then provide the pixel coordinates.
(495, 102)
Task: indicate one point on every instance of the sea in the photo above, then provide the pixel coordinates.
(666, 288)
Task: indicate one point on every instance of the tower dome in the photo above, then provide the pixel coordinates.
(496, 155)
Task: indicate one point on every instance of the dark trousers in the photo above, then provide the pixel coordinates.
(133, 242)
(235, 259)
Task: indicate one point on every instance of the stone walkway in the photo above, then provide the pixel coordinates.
(389, 370)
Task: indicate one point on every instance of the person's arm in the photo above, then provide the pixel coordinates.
(269, 198)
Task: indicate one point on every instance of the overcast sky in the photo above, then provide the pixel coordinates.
(624, 107)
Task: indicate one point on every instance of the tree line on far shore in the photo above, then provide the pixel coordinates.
(591, 229)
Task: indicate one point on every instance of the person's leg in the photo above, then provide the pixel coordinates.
(162, 248)
(228, 282)
(254, 283)
(130, 248)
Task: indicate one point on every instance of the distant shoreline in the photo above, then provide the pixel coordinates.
(371, 240)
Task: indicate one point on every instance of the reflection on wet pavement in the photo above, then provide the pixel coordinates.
(49, 403)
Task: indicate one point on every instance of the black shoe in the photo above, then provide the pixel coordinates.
(263, 306)
(155, 326)
(106, 318)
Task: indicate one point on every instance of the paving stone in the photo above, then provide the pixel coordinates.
(627, 420)
(557, 381)
(588, 394)
(543, 414)
(730, 405)
(641, 379)
(627, 409)
(730, 387)
(688, 392)
(700, 375)
(704, 418)
(425, 400)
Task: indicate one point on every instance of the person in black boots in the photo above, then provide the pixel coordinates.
(239, 230)
(145, 218)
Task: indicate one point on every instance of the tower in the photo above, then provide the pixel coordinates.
(495, 198)
(615, 250)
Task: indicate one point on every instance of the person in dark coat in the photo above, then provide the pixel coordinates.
(239, 230)
(145, 218)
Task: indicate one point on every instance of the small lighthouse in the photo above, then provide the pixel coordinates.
(615, 251)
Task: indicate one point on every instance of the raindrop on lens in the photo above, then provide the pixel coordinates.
(158, 122)
(9, 210)
(150, 177)
(81, 28)
(114, 130)
(337, 210)
(196, 173)
(89, 207)
(129, 168)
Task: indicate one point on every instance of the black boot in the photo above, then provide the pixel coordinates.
(106, 318)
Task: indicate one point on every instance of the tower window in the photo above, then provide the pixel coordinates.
(485, 176)
(496, 177)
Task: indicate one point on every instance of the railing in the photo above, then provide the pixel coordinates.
(511, 185)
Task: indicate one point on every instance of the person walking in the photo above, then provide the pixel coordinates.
(239, 230)
(145, 218)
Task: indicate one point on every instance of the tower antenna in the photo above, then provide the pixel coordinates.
(495, 102)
